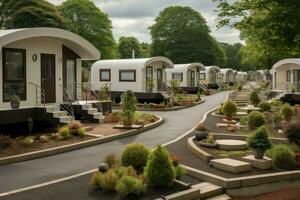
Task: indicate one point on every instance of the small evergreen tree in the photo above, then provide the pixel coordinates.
(160, 171)
(287, 111)
(229, 108)
(254, 98)
(128, 106)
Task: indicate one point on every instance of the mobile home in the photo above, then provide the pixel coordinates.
(212, 77)
(146, 77)
(228, 75)
(189, 76)
(36, 66)
(242, 76)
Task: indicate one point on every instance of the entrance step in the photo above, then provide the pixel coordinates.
(58, 116)
(220, 197)
(92, 114)
(65, 119)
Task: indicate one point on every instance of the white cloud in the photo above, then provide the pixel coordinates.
(133, 17)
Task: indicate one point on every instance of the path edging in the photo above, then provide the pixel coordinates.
(72, 147)
(206, 157)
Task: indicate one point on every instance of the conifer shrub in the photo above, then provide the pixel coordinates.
(229, 108)
(254, 98)
(255, 120)
(287, 111)
(264, 106)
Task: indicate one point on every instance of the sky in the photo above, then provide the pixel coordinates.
(133, 17)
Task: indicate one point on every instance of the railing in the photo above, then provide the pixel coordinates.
(287, 87)
(166, 88)
(67, 99)
(40, 96)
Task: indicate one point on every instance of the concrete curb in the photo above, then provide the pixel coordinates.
(206, 157)
(72, 147)
(166, 109)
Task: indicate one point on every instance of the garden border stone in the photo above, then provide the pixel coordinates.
(197, 151)
(72, 147)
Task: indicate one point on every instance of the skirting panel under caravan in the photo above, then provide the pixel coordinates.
(142, 97)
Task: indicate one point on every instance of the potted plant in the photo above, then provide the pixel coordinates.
(15, 102)
(201, 132)
(209, 142)
(229, 109)
(128, 107)
(259, 142)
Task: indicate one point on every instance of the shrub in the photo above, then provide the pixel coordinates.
(175, 159)
(5, 141)
(125, 171)
(64, 133)
(210, 139)
(229, 108)
(276, 103)
(254, 98)
(240, 87)
(76, 129)
(111, 160)
(179, 171)
(27, 141)
(106, 181)
(259, 139)
(159, 170)
(264, 106)
(128, 107)
(255, 120)
(220, 110)
(135, 155)
(292, 132)
(201, 127)
(130, 186)
(244, 120)
(282, 157)
(81, 132)
(287, 111)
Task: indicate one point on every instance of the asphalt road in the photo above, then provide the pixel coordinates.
(32, 172)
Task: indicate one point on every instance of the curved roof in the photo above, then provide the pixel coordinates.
(78, 44)
(185, 67)
(133, 63)
(242, 73)
(295, 61)
(209, 68)
(226, 70)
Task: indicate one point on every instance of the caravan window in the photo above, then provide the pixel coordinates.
(177, 76)
(14, 73)
(104, 74)
(202, 76)
(127, 75)
(288, 76)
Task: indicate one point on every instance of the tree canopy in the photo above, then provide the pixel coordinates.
(181, 34)
(270, 28)
(88, 21)
(127, 45)
(29, 13)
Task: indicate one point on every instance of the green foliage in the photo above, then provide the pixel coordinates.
(106, 181)
(64, 133)
(264, 106)
(240, 87)
(244, 120)
(159, 170)
(269, 28)
(259, 139)
(229, 108)
(128, 106)
(29, 13)
(181, 34)
(5, 141)
(135, 155)
(145, 50)
(76, 129)
(27, 141)
(233, 55)
(287, 111)
(292, 132)
(126, 45)
(130, 186)
(254, 98)
(111, 160)
(255, 120)
(84, 18)
(210, 139)
(276, 103)
(282, 157)
(180, 171)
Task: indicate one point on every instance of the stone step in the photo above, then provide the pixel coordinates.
(86, 106)
(92, 110)
(208, 190)
(65, 119)
(220, 197)
(57, 114)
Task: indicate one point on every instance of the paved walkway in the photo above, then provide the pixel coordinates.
(32, 172)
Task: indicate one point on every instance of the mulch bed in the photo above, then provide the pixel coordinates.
(286, 194)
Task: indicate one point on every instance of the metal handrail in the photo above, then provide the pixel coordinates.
(42, 96)
(67, 107)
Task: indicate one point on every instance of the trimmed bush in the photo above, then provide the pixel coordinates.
(292, 132)
(244, 120)
(179, 171)
(108, 181)
(5, 141)
(264, 106)
(128, 107)
(255, 120)
(130, 186)
(27, 141)
(229, 108)
(282, 157)
(259, 139)
(254, 98)
(111, 160)
(64, 133)
(160, 171)
(76, 129)
(287, 111)
(135, 155)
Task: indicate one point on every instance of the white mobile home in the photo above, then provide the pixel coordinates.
(228, 75)
(189, 75)
(145, 76)
(259, 75)
(286, 75)
(242, 76)
(36, 65)
(212, 77)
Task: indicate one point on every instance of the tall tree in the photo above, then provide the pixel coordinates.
(145, 50)
(88, 21)
(29, 13)
(269, 27)
(181, 34)
(127, 45)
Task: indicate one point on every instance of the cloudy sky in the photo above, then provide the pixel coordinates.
(133, 17)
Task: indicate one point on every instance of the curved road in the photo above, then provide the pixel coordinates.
(32, 172)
